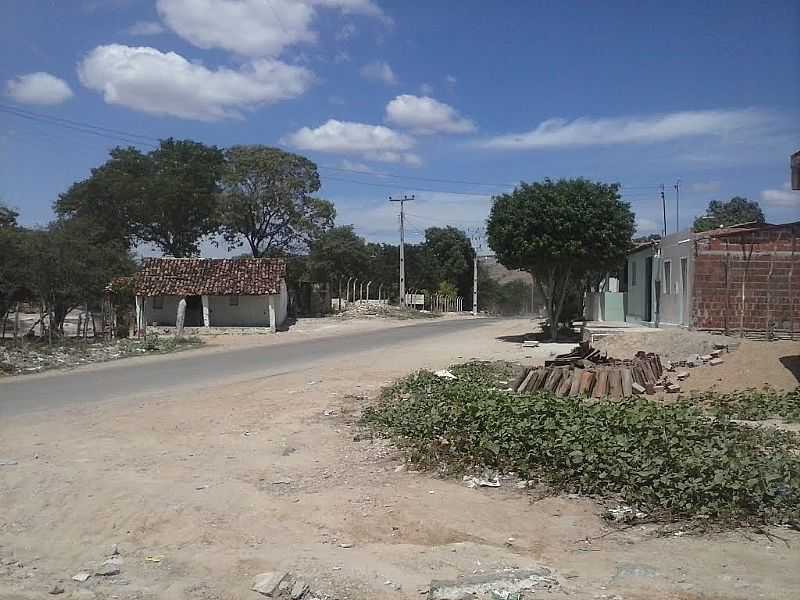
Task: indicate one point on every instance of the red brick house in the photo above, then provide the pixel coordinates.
(747, 279)
(741, 279)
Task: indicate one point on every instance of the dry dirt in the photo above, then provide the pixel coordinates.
(750, 364)
(266, 475)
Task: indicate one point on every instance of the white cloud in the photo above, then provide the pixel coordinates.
(783, 198)
(146, 28)
(424, 115)
(426, 89)
(154, 82)
(378, 220)
(253, 27)
(586, 131)
(647, 226)
(341, 57)
(705, 187)
(347, 31)
(371, 142)
(450, 80)
(379, 71)
(38, 88)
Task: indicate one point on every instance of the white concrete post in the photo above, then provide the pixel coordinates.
(181, 316)
(139, 314)
(273, 313)
(206, 315)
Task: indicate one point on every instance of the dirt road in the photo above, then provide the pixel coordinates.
(231, 480)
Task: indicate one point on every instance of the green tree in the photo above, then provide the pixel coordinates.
(733, 212)
(167, 197)
(338, 254)
(267, 201)
(449, 257)
(8, 216)
(180, 206)
(559, 231)
(67, 268)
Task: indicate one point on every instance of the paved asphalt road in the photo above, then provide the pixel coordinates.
(25, 394)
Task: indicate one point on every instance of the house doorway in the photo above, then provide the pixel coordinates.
(684, 291)
(194, 311)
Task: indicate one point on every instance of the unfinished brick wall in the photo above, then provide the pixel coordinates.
(749, 281)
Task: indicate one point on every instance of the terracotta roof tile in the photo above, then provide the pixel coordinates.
(210, 277)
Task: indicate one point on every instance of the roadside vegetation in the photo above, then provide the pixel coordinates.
(27, 356)
(754, 405)
(671, 461)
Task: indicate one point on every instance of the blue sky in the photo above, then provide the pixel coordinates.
(388, 96)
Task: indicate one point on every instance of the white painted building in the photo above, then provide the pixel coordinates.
(247, 292)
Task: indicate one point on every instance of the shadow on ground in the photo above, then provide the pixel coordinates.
(539, 337)
(792, 364)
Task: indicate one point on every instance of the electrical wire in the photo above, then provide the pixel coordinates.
(151, 141)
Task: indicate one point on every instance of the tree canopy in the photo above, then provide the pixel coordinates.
(733, 212)
(338, 253)
(267, 201)
(167, 197)
(560, 232)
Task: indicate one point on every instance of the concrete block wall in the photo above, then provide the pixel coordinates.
(748, 281)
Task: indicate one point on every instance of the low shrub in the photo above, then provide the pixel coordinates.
(669, 460)
(754, 405)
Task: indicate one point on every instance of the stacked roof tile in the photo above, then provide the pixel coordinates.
(210, 277)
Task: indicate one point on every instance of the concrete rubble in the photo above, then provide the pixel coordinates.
(505, 585)
(282, 585)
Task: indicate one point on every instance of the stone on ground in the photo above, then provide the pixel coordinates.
(268, 583)
(506, 584)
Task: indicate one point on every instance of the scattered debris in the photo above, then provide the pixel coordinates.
(56, 590)
(683, 375)
(347, 545)
(715, 361)
(507, 585)
(114, 550)
(108, 569)
(299, 589)
(81, 577)
(624, 514)
(268, 583)
(530, 344)
(445, 374)
(492, 481)
(282, 482)
(8, 463)
(157, 558)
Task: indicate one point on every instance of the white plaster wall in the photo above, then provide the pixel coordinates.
(252, 311)
(637, 293)
(165, 316)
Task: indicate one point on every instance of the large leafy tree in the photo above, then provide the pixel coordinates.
(67, 267)
(338, 253)
(8, 216)
(166, 197)
(449, 257)
(561, 231)
(733, 212)
(267, 201)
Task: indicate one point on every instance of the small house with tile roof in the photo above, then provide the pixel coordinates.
(211, 292)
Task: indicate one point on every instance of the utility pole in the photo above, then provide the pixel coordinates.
(664, 208)
(475, 285)
(475, 239)
(677, 206)
(402, 202)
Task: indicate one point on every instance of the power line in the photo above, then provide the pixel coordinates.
(88, 129)
(147, 140)
(416, 189)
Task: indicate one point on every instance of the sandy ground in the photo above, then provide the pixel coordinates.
(266, 475)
